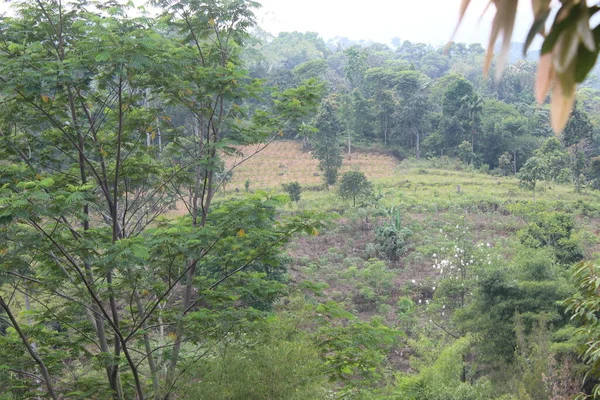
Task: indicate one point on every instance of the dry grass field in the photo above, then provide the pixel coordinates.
(285, 162)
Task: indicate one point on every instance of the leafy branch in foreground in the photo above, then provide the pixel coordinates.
(569, 50)
(111, 128)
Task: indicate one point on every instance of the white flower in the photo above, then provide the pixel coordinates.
(419, 301)
(433, 288)
(434, 255)
(489, 245)
(413, 281)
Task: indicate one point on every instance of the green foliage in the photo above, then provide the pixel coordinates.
(534, 361)
(354, 184)
(584, 306)
(373, 283)
(554, 230)
(441, 380)
(532, 172)
(293, 190)
(326, 141)
(356, 354)
(391, 237)
(531, 286)
(276, 360)
(505, 164)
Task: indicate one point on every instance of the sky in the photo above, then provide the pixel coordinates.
(426, 21)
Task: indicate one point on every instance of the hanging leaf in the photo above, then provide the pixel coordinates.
(584, 30)
(563, 98)
(463, 9)
(586, 59)
(544, 77)
(563, 20)
(537, 27)
(241, 233)
(565, 50)
(506, 14)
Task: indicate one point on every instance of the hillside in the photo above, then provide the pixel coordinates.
(285, 162)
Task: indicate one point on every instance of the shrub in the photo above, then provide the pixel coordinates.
(293, 190)
(391, 238)
(553, 229)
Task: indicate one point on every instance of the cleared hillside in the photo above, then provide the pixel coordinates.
(284, 162)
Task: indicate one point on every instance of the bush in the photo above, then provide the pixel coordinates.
(553, 229)
(279, 361)
(293, 190)
(391, 238)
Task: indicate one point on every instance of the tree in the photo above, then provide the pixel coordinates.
(555, 158)
(505, 164)
(293, 190)
(584, 306)
(577, 137)
(532, 172)
(474, 106)
(354, 184)
(109, 281)
(326, 141)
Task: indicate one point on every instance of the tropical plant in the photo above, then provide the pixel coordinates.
(355, 184)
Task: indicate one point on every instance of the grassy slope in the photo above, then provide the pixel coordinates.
(434, 197)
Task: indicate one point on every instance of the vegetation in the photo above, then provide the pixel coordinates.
(293, 190)
(147, 245)
(354, 184)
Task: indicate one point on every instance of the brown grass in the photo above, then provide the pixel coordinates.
(285, 162)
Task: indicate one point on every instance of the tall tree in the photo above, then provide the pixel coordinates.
(326, 141)
(82, 191)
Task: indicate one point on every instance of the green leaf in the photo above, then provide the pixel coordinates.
(558, 28)
(536, 27)
(586, 59)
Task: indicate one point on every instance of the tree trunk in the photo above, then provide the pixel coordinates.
(418, 145)
(30, 349)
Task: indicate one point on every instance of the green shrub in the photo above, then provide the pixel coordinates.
(390, 239)
(293, 190)
(278, 361)
(553, 229)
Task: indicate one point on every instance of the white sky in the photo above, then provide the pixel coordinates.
(426, 21)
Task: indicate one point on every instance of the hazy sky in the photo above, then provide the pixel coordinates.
(428, 21)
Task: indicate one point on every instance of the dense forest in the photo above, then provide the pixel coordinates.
(441, 246)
